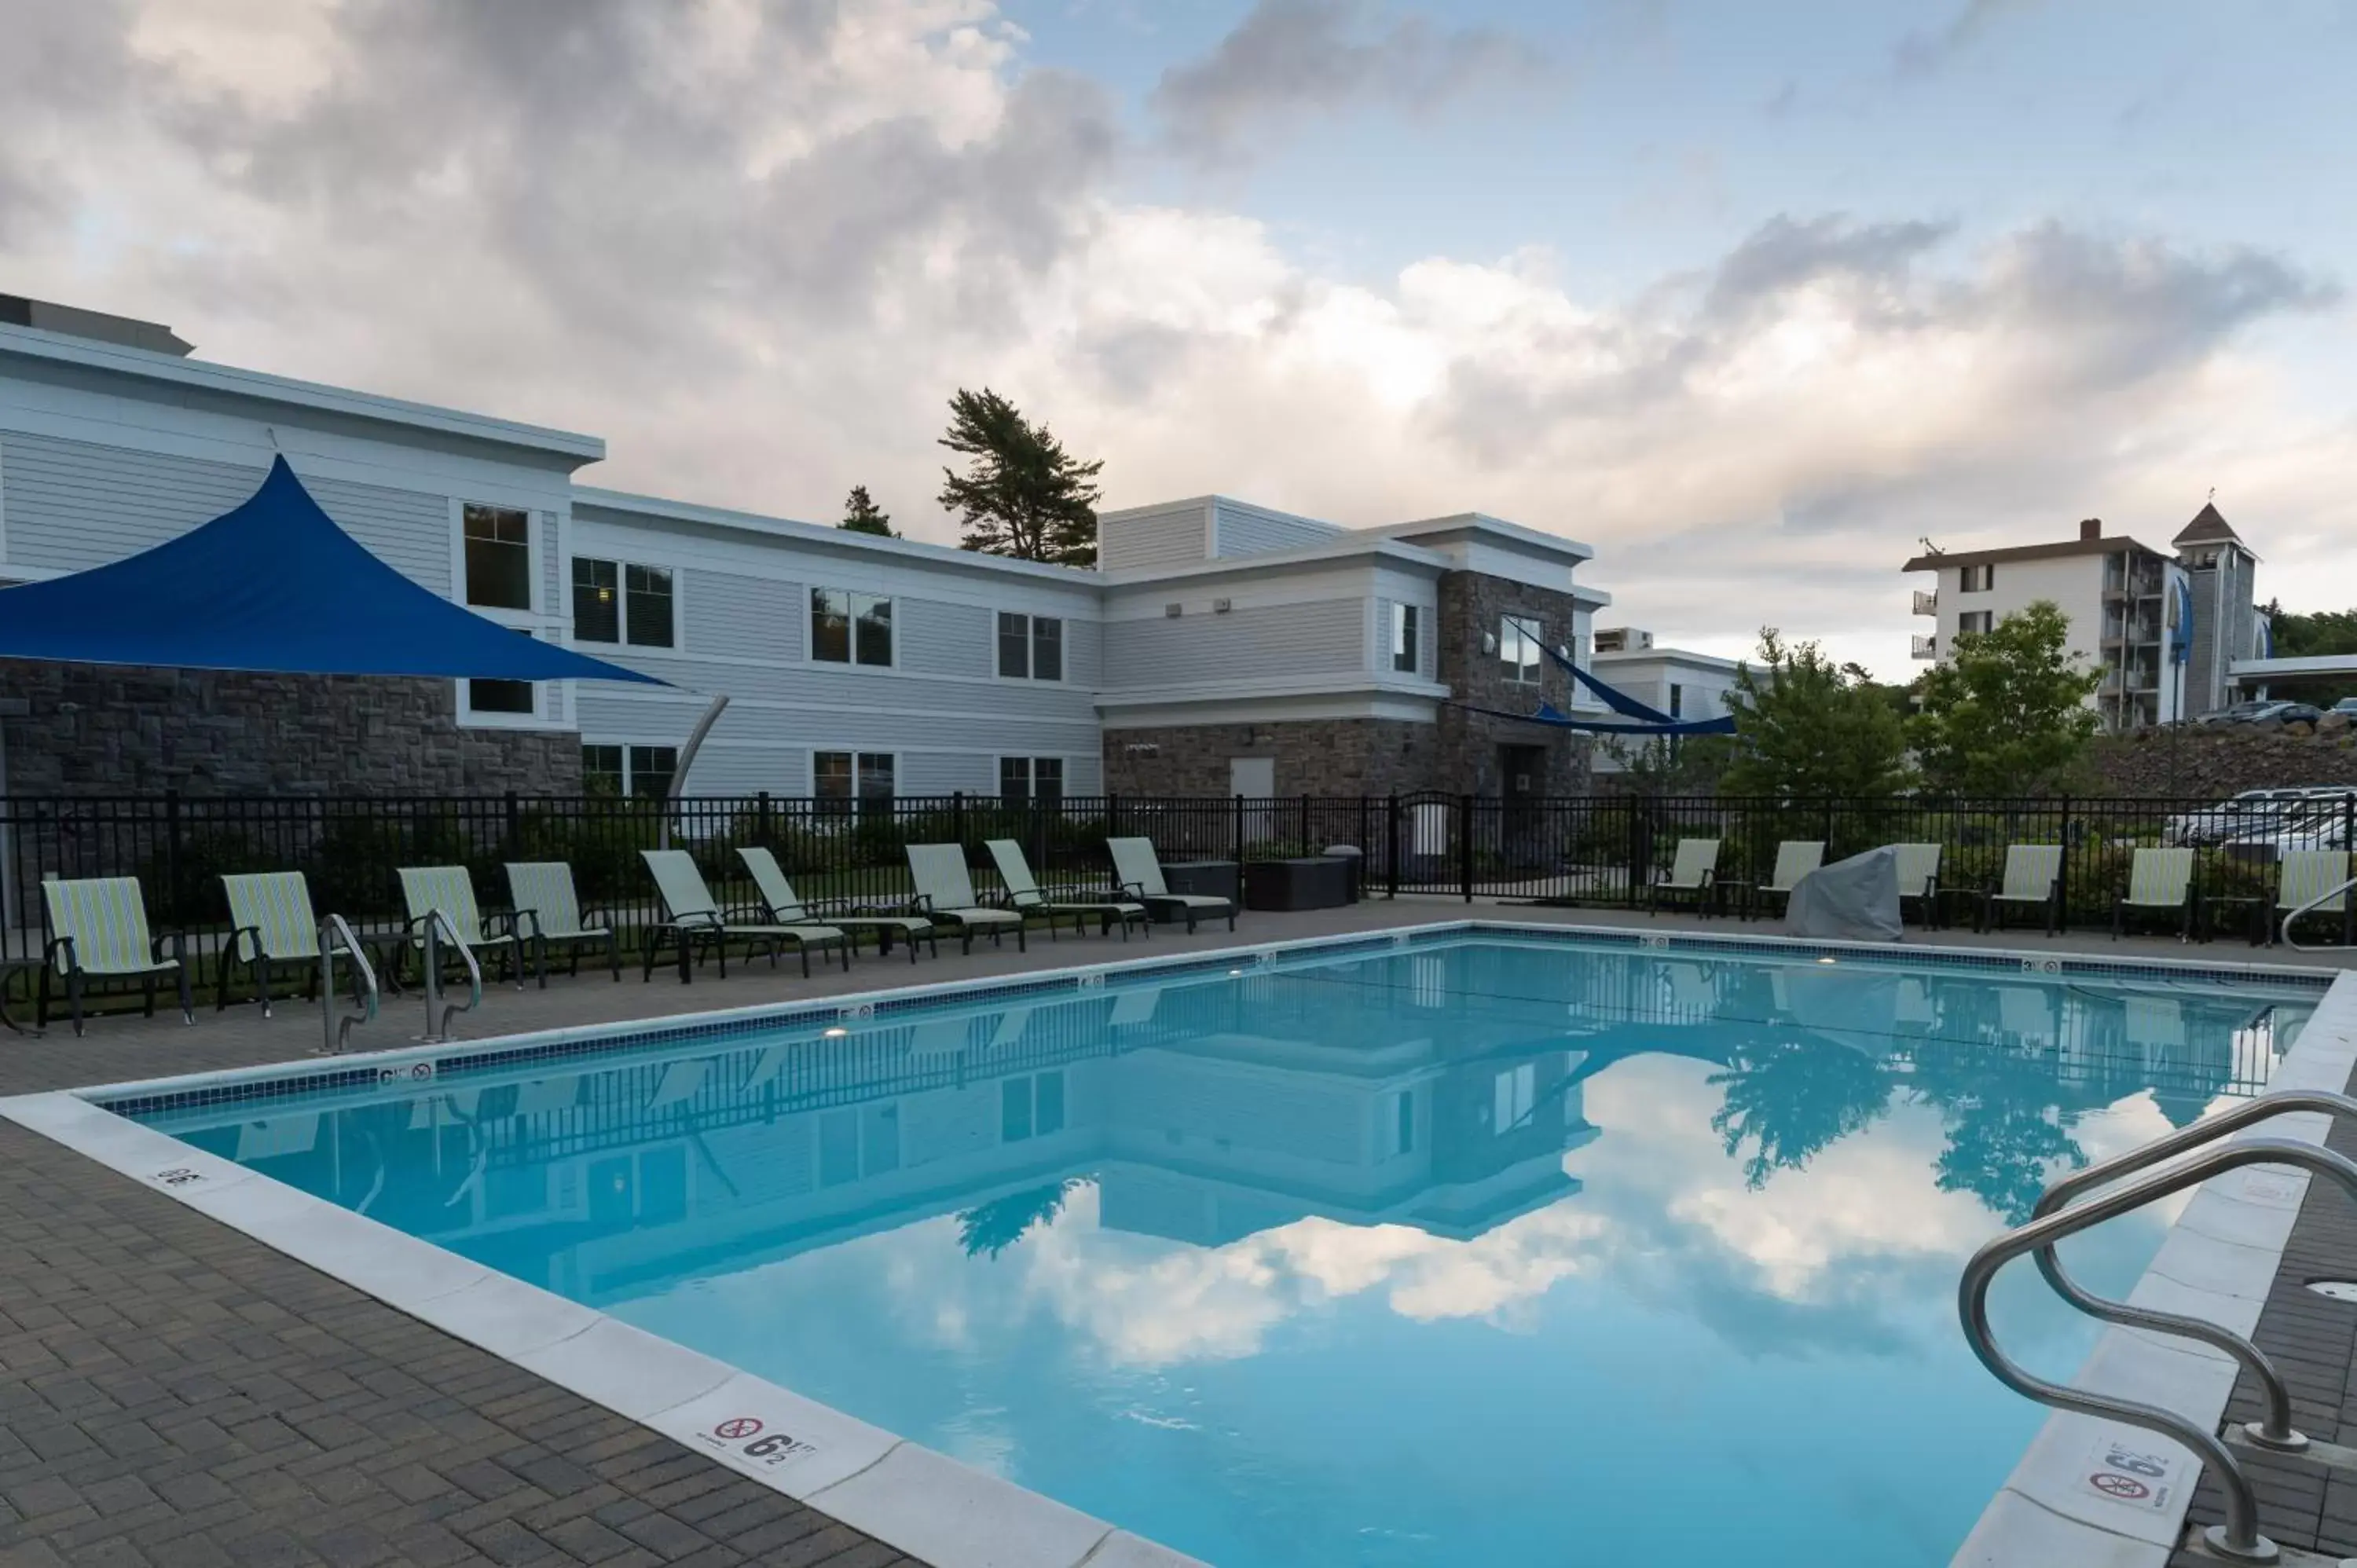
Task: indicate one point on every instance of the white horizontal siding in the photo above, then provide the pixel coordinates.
(1322, 637)
(944, 640)
(665, 723)
(1084, 774)
(740, 769)
(1240, 529)
(731, 616)
(832, 686)
(947, 773)
(406, 529)
(1171, 537)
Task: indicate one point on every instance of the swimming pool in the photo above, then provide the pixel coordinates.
(1484, 1250)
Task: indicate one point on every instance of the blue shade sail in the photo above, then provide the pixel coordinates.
(274, 586)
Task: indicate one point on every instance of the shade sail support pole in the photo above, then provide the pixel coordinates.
(687, 761)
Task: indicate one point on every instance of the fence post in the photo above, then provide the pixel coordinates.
(1113, 816)
(172, 854)
(1306, 840)
(515, 826)
(1465, 844)
(957, 815)
(1391, 840)
(2062, 875)
(1237, 833)
(761, 816)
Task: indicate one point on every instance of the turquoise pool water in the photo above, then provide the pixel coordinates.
(1476, 1253)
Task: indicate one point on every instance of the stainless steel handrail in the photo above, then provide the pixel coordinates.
(2238, 1540)
(334, 933)
(2318, 902)
(436, 923)
(2276, 1430)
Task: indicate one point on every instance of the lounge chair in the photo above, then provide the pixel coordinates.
(1024, 895)
(548, 910)
(2306, 876)
(1138, 871)
(271, 923)
(693, 914)
(97, 930)
(2033, 880)
(1694, 874)
(1918, 878)
(946, 892)
(2160, 882)
(781, 907)
(1796, 858)
(449, 890)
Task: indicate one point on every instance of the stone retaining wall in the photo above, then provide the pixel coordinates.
(2189, 762)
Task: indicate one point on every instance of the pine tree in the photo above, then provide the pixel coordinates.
(1023, 494)
(862, 515)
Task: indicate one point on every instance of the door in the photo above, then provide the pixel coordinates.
(1253, 778)
(1522, 779)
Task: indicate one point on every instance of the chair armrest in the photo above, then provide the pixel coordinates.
(240, 934)
(500, 924)
(518, 919)
(180, 940)
(62, 944)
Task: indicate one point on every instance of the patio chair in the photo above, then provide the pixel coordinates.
(271, 923)
(1918, 879)
(1796, 858)
(946, 892)
(548, 910)
(1137, 870)
(2304, 877)
(692, 914)
(1025, 896)
(781, 907)
(449, 890)
(97, 930)
(2033, 880)
(1694, 874)
(2160, 882)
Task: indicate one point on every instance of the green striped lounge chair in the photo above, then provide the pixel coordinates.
(1693, 875)
(781, 905)
(2160, 882)
(692, 916)
(451, 891)
(946, 892)
(97, 930)
(548, 910)
(1025, 896)
(2317, 876)
(1137, 870)
(271, 926)
(2033, 880)
(1918, 879)
(1796, 858)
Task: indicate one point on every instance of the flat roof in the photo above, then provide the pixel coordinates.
(1476, 522)
(2108, 544)
(115, 358)
(1349, 545)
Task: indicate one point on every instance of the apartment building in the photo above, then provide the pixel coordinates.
(1221, 645)
(1673, 680)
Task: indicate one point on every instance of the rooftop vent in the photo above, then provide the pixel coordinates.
(2091, 528)
(97, 326)
(1623, 639)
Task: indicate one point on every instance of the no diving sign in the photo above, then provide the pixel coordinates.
(2131, 1476)
(749, 1438)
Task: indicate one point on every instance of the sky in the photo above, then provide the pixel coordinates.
(1749, 298)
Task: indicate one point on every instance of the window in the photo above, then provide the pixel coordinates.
(500, 696)
(1977, 579)
(596, 600)
(848, 776)
(641, 771)
(1519, 641)
(1515, 1095)
(850, 628)
(1030, 778)
(498, 558)
(1404, 636)
(1030, 648)
(1404, 1123)
(1677, 700)
(614, 603)
(1030, 1107)
(1975, 622)
(648, 589)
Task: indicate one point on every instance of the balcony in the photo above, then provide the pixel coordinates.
(1926, 647)
(1926, 604)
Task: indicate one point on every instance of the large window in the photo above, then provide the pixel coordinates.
(643, 771)
(1519, 644)
(850, 628)
(1030, 778)
(1030, 648)
(1975, 622)
(617, 603)
(848, 776)
(1403, 639)
(499, 557)
(1976, 579)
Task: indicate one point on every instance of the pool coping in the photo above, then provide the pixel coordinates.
(907, 1496)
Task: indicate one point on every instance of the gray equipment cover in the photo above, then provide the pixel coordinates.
(1855, 898)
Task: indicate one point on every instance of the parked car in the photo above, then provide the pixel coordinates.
(2250, 813)
(2261, 708)
(2345, 706)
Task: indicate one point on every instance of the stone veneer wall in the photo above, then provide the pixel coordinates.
(1314, 756)
(141, 731)
(1471, 605)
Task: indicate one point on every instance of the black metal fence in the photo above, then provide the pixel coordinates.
(1594, 850)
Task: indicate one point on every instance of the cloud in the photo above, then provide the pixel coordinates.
(1291, 59)
(1921, 54)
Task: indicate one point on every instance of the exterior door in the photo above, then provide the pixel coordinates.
(1253, 778)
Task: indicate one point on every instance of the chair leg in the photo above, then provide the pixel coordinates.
(262, 980)
(222, 979)
(41, 996)
(73, 996)
(147, 993)
(188, 994)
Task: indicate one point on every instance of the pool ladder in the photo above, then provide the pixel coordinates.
(2330, 897)
(2239, 1539)
(438, 1014)
(335, 936)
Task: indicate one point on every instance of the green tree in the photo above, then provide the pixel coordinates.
(1022, 495)
(1806, 727)
(862, 515)
(2007, 714)
(990, 1230)
(2308, 636)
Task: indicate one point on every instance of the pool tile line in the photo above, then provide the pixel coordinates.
(926, 1504)
(2051, 1513)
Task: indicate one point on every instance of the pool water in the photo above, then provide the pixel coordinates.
(1483, 1252)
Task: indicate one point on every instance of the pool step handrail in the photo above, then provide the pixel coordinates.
(335, 935)
(437, 1015)
(2329, 895)
(2238, 1540)
(2274, 1431)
